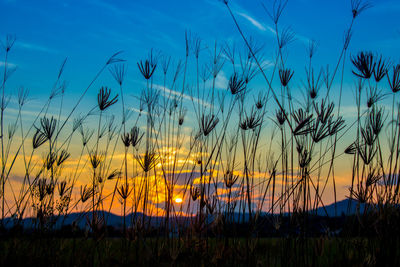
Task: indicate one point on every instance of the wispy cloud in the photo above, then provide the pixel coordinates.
(266, 28)
(131, 15)
(262, 26)
(168, 92)
(35, 47)
(252, 20)
(9, 64)
(384, 7)
(138, 111)
(117, 11)
(31, 113)
(244, 14)
(221, 82)
(126, 12)
(349, 111)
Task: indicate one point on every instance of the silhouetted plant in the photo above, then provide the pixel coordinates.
(103, 98)
(394, 79)
(285, 76)
(365, 64)
(146, 68)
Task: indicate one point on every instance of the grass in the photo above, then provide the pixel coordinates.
(264, 252)
(251, 153)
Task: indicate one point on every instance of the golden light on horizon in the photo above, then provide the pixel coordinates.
(178, 200)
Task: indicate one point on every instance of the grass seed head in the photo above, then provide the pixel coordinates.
(365, 64)
(285, 75)
(103, 98)
(394, 79)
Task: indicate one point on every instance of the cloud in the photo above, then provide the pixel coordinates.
(35, 47)
(168, 92)
(138, 111)
(252, 20)
(382, 7)
(117, 11)
(262, 27)
(305, 40)
(221, 82)
(126, 12)
(9, 64)
(33, 113)
(244, 14)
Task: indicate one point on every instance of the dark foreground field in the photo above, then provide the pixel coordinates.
(29, 251)
(372, 239)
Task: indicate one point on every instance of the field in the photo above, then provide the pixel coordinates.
(262, 252)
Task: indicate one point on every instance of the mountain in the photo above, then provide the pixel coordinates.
(81, 219)
(346, 207)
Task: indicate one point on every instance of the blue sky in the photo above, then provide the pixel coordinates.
(88, 31)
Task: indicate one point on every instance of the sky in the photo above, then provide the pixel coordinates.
(88, 32)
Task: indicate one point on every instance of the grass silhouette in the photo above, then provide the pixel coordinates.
(233, 191)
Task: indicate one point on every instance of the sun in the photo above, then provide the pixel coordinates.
(178, 200)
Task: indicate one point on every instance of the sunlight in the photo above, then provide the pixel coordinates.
(178, 200)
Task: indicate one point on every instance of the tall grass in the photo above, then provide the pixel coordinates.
(241, 159)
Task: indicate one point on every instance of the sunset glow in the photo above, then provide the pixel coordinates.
(178, 200)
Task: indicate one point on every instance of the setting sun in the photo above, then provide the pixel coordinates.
(178, 200)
